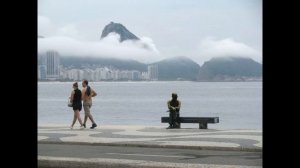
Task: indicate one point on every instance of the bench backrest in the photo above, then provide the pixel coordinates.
(193, 119)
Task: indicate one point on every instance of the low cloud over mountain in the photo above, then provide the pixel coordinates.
(116, 41)
(62, 40)
(212, 48)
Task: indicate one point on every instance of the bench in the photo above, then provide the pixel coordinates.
(203, 121)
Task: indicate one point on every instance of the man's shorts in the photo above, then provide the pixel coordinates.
(86, 106)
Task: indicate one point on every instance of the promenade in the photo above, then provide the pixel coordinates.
(125, 145)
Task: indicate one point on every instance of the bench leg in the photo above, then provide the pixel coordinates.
(202, 125)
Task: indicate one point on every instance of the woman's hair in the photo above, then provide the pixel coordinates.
(75, 84)
(88, 90)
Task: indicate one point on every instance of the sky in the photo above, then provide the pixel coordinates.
(198, 29)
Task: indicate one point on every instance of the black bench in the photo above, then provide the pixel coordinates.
(203, 121)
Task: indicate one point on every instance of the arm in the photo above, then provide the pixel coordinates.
(94, 93)
(169, 105)
(72, 96)
(179, 105)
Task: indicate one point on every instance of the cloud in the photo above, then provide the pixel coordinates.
(109, 47)
(210, 47)
(69, 42)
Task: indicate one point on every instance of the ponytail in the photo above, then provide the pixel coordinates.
(88, 90)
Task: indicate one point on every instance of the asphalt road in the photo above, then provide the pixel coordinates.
(152, 154)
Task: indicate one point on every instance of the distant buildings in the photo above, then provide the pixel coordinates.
(42, 72)
(100, 74)
(48, 68)
(153, 72)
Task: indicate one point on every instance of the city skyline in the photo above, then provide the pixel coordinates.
(49, 68)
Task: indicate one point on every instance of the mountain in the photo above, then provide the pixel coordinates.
(122, 64)
(229, 68)
(119, 29)
(177, 68)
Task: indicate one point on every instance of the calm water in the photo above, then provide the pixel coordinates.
(238, 104)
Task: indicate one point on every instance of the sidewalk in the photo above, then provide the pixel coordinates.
(153, 136)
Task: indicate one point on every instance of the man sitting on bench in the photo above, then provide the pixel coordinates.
(174, 108)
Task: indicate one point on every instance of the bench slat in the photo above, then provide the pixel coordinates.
(193, 119)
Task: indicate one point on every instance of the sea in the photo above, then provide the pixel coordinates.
(237, 104)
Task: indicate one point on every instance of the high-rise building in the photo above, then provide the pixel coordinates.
(144, 76)
(136, 75)
(153, 72)
(42, 72)
(52, 64)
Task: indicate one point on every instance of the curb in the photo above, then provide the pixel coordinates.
(245, 149)
(54, 162)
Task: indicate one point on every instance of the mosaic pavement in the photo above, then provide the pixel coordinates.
(153, 136)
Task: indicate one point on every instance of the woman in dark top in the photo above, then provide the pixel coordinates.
(77, 105)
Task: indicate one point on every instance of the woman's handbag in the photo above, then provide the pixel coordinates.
(70, 104)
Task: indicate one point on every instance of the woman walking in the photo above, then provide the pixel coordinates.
(76, 104)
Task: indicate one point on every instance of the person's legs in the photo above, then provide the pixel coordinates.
(85, 119)
(74, 119)
(90, 115)
(78, 117)
(175, 119)
(172, 119)
(91, 118)
(86, 113)
(94, 124)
